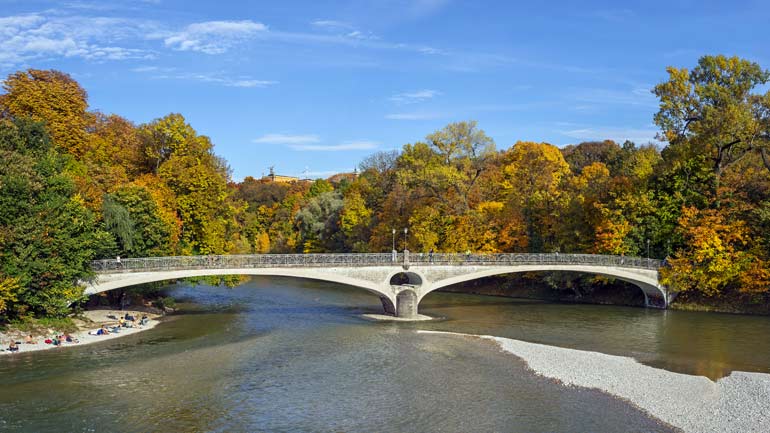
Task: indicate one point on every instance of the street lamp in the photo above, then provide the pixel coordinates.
(406, 230)
(648, 249)
(393, 251)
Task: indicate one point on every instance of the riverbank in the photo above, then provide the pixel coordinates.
(737, 403)
(94, 319)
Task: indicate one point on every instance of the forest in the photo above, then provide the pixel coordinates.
(78, 185)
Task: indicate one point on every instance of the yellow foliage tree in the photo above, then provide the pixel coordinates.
(262, 243)
(9, 289)
(711, 259)
(611, 237)
(52, 97)
(532, 176)
(756, 277)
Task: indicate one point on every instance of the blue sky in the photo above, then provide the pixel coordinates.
(313, 87)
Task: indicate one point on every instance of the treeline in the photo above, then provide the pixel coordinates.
(78, 185)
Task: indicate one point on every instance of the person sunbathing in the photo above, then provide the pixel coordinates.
(12, 347)
(29, 340)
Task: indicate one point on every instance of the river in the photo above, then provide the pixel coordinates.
(291, 355)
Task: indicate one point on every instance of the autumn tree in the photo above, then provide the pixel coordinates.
(51, 97)
(532, 176)
(709, 115)
(447, 165)
(712, 258)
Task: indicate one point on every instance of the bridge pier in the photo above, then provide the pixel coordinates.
(406, 304)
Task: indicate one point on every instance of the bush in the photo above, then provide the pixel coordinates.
(164, 303)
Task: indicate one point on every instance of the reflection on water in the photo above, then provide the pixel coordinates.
(291, 355)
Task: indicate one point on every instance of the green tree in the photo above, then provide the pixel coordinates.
(47, 236)
(318, 222)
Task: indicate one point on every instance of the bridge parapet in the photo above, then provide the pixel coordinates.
(365, 259)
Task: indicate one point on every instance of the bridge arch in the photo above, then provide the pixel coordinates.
(646, 280)
(107, 282)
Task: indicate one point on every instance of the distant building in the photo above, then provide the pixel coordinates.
(272, 177)
(279, 179)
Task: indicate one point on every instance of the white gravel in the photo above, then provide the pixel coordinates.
(736, 403)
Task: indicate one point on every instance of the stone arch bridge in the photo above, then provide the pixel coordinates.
(400, 280)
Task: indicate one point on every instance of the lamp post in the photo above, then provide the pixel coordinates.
(648, 249)
(406, 230)
(393, 251)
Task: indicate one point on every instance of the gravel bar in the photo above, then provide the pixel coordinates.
(739, 402)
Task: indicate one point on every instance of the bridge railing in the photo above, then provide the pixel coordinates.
(363, 259)
(504, 259)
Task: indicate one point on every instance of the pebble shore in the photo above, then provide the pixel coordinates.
(737, 403)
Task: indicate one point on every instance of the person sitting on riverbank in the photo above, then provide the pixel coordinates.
(29, 340)
(129, 318)
(12, 347)
(70, 339)
(144, 320)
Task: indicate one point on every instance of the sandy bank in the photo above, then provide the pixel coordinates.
(736, 403)
(96, 318)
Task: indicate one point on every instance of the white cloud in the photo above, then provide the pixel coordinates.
(24, 38)
(413, 116)
(349, 145)
(639, 136)
(332, 24)
(169, 74)
(414, 97)
(213, 37)
(287, 139)
(249, 83)
(307, 174)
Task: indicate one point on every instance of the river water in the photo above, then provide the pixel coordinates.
(292, 355)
